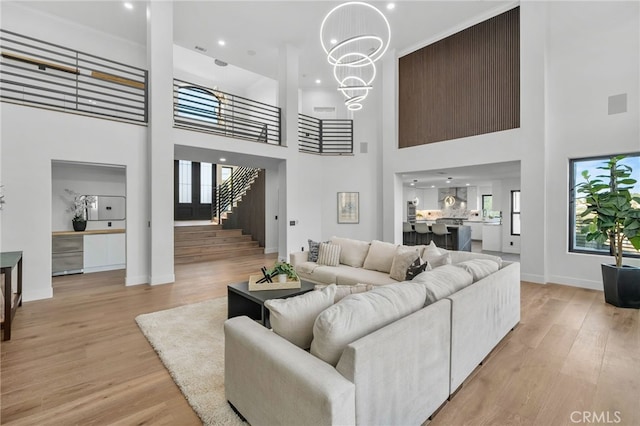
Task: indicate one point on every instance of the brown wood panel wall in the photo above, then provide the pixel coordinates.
(464, 85)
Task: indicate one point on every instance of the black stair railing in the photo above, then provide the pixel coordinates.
(229, 192)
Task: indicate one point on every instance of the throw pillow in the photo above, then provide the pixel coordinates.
(479, 268)
(352, 252)
(401, 262)
(314, 248)
(380, 256)
(436, 261)
(329, 254)
(293, 318)
(417, 267)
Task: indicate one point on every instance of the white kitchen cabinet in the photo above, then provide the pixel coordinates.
(476, 229)
(104, 252)
(492, 237)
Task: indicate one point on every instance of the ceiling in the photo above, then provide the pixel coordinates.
(264, 26)
(480, 175)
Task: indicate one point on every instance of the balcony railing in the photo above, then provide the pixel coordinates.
(42, 74)
(209, 110)
(331, 137)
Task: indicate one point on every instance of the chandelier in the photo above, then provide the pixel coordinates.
(354, 36)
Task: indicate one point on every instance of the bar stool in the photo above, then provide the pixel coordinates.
(422, 233)
(440, 229)
(408, 234)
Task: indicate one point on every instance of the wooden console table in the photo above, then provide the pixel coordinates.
(8, 261)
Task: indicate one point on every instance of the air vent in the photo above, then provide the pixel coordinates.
(201, 49)
(324, 109)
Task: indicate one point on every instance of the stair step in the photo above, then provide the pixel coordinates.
(220, 233)
(195, 250)
(211, 240)
(217, 256)
(194, 228)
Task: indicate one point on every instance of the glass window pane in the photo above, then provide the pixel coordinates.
(184, 181)
(206, 183)
(516, 201)
(515, 224)
(198, 104)
(225, 173)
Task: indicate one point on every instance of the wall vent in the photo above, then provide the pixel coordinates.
(324, 109)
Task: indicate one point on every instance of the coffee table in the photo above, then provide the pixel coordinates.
(241, 301)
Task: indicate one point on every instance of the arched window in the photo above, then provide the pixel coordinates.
(197, 103)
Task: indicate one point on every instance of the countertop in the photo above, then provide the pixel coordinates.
(91, 232)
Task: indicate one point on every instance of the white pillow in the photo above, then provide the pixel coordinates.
(360, 314)
(479, 268)
(352, 252)
(329, 254)
(437, 261)
(380, 256)
(293, 318)
(402, 259)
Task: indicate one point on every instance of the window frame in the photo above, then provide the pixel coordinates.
(571, 225)
(513, 212)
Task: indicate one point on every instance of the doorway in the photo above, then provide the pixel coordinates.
(194, 184)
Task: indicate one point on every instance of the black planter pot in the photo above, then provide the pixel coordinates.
(621, 286)
(79, 225)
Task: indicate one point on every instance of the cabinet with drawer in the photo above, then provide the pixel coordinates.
(67, 254)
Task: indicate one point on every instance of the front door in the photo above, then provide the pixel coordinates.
(194, 183)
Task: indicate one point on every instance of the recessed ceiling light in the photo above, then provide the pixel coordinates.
(448, 181)
(412, 184)
(222, 160)
(391, 6)
(433, 186)
(222, 42)
(333, 41)
(128, 5)
(466, 184)
(318, 81)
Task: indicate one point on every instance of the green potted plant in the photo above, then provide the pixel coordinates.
(284, 271)
(613, 215)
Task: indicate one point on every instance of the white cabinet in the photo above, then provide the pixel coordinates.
(492, 237)
(476, 229)
(104, 252)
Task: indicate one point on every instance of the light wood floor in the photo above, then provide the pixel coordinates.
(80, 358)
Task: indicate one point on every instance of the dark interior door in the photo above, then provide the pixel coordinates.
(193, 190)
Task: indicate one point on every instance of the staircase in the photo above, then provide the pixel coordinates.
(201, 243)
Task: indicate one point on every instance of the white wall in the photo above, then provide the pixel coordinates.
(31, 139)
(264, 90)
(508, 185)
(84, 179)
(593, 53)
(321, 97)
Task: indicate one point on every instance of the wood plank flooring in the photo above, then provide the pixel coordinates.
(80, 358)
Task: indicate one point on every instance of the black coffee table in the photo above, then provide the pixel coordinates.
(241, 301)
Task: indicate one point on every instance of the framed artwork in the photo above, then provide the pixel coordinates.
(348, 207)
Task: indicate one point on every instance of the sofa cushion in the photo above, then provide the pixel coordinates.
(479, 268)
(293, 318)
(443, 281)
(437, 261)
(462, 256)
(352, 252)
(329, 254)
(348, 275)
(343, 291)
(402, 259)
(321, 273)
(360, 314)
(314, 250)
(380, 256)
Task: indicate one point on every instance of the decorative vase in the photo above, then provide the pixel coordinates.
(282, 278)
(79, 225)
(621, 285)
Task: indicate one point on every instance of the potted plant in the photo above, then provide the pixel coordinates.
(284, 271)
(78, 207)
(614, 215)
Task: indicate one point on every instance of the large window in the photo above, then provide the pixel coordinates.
(577, 224)
(487, 204)
(206, 183)
(194, 102)
(515, 212)
(184, 181)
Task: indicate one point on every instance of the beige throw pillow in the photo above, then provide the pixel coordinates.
(401, 262)
(329, 254)
(352, 252)
(293, 318)
(380, 256)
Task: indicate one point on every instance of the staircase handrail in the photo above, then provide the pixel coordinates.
(233, 189)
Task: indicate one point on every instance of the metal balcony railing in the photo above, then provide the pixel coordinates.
(209, 110)
(42, 74)
(331, 137)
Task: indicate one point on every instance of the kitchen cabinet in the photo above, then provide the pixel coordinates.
(492, 237)
(104, 252)
(476, 229)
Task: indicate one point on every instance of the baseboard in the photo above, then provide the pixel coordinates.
(575, 282)
(104, 268)
(532, 278)
(162, 279)
(269, 250)
(142, 279)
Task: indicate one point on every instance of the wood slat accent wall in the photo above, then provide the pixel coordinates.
(464, 85)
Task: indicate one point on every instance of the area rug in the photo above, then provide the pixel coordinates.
(190, 342)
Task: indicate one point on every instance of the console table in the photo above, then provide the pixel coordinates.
(9, 261)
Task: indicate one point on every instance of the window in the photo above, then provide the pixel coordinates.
(226, 172)
(184, 181)
(515, 212)
(577, 224)
(206, 183)
(487, 204)
(197, 103)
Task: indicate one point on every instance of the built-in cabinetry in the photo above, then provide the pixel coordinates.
(476, 229)
(492, 237)
(88, 251)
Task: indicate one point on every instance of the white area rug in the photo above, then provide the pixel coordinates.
(190, 342)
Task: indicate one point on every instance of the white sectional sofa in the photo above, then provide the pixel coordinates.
(391, 355)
